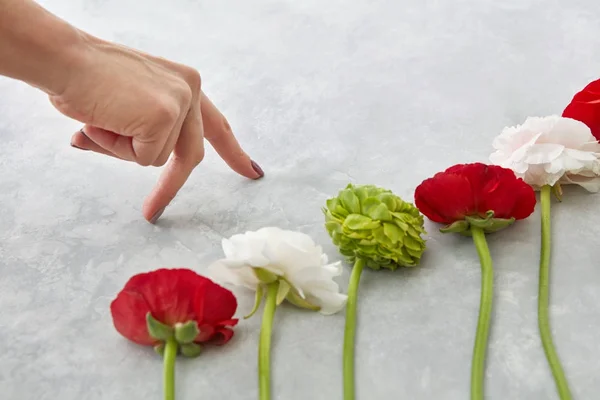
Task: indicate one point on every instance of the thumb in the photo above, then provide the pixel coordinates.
(218, 132)
(187, 154)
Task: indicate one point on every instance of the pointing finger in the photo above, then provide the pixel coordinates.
(188, 153)
(218, 132)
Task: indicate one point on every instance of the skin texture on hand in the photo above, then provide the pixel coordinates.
(134, 106)
(150, 111)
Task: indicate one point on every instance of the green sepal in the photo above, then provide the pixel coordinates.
(190, 350)
(282, 291)
(157, 330)
(480, 222)
(497, 224)
(160, 349)
(489, 224)
(297, 300)
(557, 191)
(265, 276)
(456, 227)
(257, 300)
(186, 333)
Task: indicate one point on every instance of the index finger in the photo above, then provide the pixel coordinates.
(187, 154)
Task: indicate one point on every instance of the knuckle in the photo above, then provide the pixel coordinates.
(197, 157)
(166, 112)
(226, 126)
(187, 95)
(192, 159)
(193, 79)
(161, 160)
(162, 114)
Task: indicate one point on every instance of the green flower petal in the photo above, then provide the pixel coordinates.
(376, 225)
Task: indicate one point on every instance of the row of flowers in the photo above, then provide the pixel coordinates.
(177, 311)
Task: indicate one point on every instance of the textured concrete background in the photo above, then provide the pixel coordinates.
(321, 94)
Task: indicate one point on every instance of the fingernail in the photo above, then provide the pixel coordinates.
(77, 147)
(156, 216)
(83, 133)
(257, 169)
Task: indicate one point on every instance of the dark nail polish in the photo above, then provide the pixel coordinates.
(77, 147)
(257, 169)
(156, 216)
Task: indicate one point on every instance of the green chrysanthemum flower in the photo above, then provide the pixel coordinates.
(374, 224)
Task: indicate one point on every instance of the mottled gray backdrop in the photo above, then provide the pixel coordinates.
(321, 93)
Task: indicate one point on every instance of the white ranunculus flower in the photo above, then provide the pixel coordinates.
(292, 256)
(547, 150)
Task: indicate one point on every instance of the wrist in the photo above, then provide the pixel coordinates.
(37, 47)
(59, 62)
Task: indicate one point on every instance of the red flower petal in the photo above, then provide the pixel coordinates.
(213, 303)
(168, 292)
(222, 336)
(478, 175)
(172, 296)
(507, 195)
(526, 204)
(588, 113)
(473, 189)
(592, 87)
(214, 306)
(585, 107)
(445, 198)
(129, 311)
(206, 333)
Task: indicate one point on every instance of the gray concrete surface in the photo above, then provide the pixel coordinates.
(321, 93)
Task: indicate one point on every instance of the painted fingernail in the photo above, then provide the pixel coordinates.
(77, 147)
(257, 169)
(156, 216)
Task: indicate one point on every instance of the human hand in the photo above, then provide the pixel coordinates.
(147, 110)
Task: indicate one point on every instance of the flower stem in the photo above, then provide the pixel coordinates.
(350, 330)
(264, 346)
(543, 299)
(169, 368)
(485, 313)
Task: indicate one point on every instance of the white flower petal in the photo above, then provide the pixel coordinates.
(545, 150)
(592, 184)
(275, 268)
(220, 272)
(330, 302)
(498, 158)
(578, 133)
(228, 248)
(581, 155)
(292, 255)
(543, 153)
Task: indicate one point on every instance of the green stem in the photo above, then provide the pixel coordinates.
(264, 346)
(485, 313)
(350, 330)
(169, 368)
(543, 300)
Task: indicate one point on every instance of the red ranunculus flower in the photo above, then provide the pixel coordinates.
(585, 107)
(174, 297)
(471, 190)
